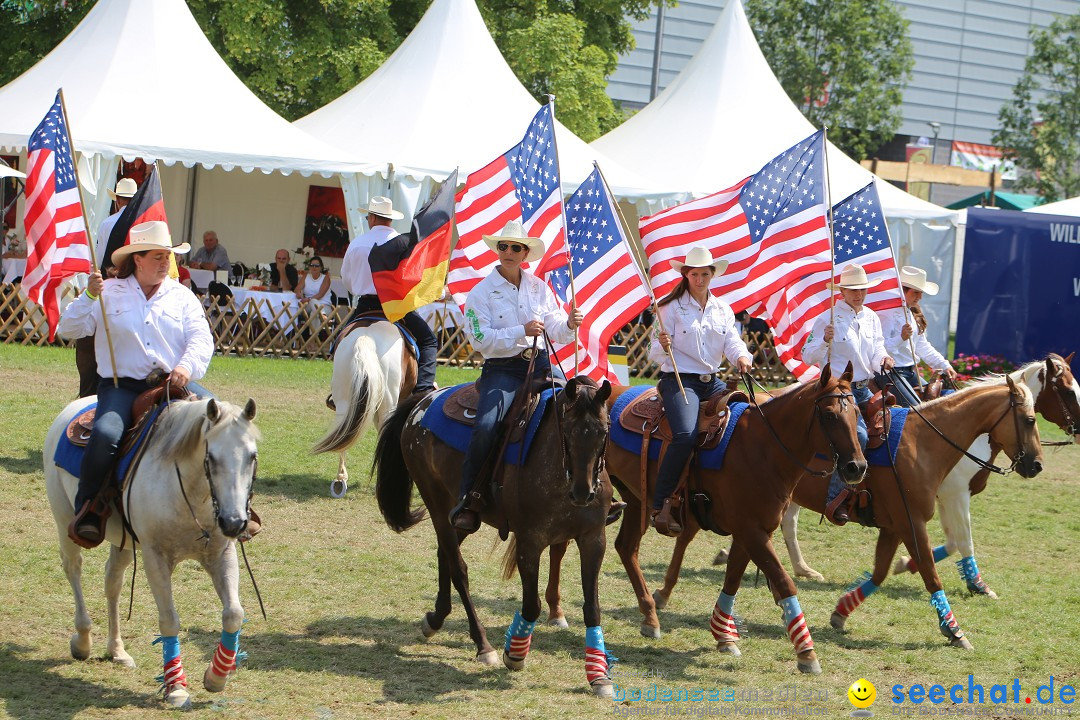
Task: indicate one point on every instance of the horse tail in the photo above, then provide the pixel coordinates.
(366, 388)
(509, 561)
(393, 483)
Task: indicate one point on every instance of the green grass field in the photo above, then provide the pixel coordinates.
(345, 595)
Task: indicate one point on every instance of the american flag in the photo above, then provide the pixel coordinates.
(772, 228)
(522, 184)
(56, 241)
(609, 287)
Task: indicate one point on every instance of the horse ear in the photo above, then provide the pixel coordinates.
(1069, 358)
(249, 409)
(571, 389)
(1012, 385)
(826, 375)
(213, 410)
(1051, 369)
(602, 395)
(849, 372)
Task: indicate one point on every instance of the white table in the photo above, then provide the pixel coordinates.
(269, 305)
(13, 268)
(203, 278)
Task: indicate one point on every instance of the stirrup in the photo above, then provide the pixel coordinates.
(87, 527)
(664, 519)
(834, 510)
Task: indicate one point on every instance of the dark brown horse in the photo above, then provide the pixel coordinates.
(561, 493)
(748, 497)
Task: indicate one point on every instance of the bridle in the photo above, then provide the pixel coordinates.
(1072, 425)
(564, 446)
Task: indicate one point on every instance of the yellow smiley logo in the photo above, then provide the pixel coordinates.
(862, 693)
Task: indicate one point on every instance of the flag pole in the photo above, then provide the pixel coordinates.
(903, 303)
(89, 245)
(566, 233)
(832, 238)
(629, 237)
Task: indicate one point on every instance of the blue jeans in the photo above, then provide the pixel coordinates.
(682, 417)
(862, 396)
(111, 420)
(498, 384)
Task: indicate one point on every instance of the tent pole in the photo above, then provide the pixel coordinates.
(192, 188)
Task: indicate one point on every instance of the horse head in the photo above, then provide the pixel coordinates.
(1059, 400)
(584, 426)
(838, 415)
(1019, 439)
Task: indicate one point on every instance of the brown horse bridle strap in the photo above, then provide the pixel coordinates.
(753, 401)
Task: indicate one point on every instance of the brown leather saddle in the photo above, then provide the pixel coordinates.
(78, 430)
(370, 318)
(462, 403)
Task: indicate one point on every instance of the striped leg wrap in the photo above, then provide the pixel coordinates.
(224, 661)
(949, 627)
(854, 597)
(597, 660)
(722, 623)
(518, 637)
(174, 668)
(796, 624)
(969, 571)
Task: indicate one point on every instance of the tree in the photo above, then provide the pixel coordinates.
(1040, 128)
(844, 63)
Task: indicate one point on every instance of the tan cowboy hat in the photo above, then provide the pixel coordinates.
(383, 207)
(853, 277)
(699, 257)
(514, 232)
(153, 235)
(125, 188)
(915, 278)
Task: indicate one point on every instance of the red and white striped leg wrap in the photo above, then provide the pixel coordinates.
(800, 634)
(595, 664)
(174, 674)
(519, 647)
(849, 601)
(949, 622)
(912, 566)
(722, 626)
(224, 661)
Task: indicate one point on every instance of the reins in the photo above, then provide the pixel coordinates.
(1071, 426)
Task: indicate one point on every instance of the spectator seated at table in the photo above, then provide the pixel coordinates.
(313, 293)
(11, 250)
(283, 276)
(211, 256)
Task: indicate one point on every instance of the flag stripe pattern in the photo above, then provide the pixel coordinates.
(723, 625)
(146, 204)
(519, 637)
(610, 290)
(224, 661)
(56, 241)
(522, 184)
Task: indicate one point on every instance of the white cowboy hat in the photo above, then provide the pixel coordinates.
(153, 235)
(915, 278)
(853, 277)
(383, 207)
(125, 188)
(699, 257)
(514, 232)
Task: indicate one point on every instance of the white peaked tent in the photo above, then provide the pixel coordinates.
(446, 98)
(1069, 206)
(726, 115)
(141, 80)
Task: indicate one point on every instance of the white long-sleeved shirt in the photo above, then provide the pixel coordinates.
(857, 339)
(700, 338)
(103, 233)
(355, 268)
(166, 331)
(496, 312)
(892, 322)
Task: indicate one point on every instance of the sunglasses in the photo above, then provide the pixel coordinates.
(318, 265)
(512, 247)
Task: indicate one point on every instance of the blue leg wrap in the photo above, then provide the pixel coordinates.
(520, 628)
(230, 640)
(726, 603)
(864, 583)
(946, 622)
(791, 608)
(940, 553)
(968, 569)
(170, 646)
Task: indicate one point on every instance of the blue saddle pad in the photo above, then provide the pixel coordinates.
(631, 441)
(456, 434)
(68, 456)
(879, 457)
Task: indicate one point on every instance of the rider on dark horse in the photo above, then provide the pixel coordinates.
(356, 274)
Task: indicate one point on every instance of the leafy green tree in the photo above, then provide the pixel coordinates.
(29, 30)
(844, 63)
(1040, 128)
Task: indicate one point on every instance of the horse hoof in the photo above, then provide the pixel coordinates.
(961, 642)
(728, 648)
(810, 574)
(901, 565)
(660, 601)
(837, 621)
(602, 688)
(338, 488)
(213, 682)
(810, 667)
(78, 652)
(123, 659)
(721, 558)
(650, 631)
(488, 658)
(178, 697)
(984, 590)
(559, 622)
(425, 627)
(513, 664)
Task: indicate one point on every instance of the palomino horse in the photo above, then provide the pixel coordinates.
(187, 499)
(559, 494)
(372, 370)
(748, 498)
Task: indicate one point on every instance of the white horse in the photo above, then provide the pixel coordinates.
(188, 499)
(372, 370)
(1051, 382)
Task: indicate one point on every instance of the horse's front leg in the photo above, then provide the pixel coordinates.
(553, 596)
(173, 680)
(597, 660)
(759, 546)
(114, 585)
(865, 586)
(690, 531)
(722, 623)
(954, 504)
(789, 525)
(225, 572)
(627, 543)
(519, 634)
(946, 621)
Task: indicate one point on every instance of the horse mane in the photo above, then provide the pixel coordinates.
(182, 427)
(1020, 377)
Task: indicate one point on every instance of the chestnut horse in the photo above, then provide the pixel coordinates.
(560, 493)
(748, 495)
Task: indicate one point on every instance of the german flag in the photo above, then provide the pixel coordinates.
(409, 270)
(146, 204)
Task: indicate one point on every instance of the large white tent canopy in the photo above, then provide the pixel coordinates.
(1070, 206)
(447, 99)
(726, 115)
